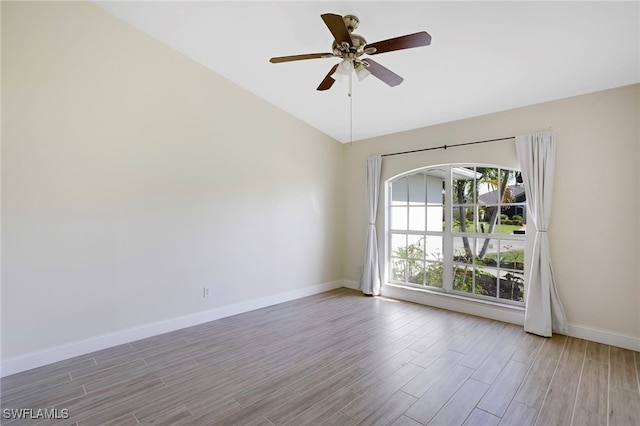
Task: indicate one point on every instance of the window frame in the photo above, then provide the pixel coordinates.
(448, 235)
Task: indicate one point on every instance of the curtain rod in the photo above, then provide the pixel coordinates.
(448, 146)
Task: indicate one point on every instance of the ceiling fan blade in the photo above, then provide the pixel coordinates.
(384, 74)
(300, 57)
(336, 25)
(328, 81)
(403, 42)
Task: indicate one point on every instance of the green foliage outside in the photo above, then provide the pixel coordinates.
(516, 219)
(416, 268)
(421, 272)
(512, 259)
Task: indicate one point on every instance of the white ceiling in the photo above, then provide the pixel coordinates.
(484, 56)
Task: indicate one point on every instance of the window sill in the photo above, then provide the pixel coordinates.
(485, 308)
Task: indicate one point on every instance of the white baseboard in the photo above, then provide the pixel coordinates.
(59, 353)
(353, 285)
(604, 336)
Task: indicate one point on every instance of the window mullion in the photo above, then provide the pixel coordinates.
(406, 233)
(426, 227)
(447, 261)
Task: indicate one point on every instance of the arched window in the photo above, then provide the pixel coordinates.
(458, 229)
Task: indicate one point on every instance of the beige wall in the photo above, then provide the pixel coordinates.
(132, 177)
(595, 224)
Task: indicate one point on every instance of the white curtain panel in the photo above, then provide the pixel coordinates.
(544, 313)
(370, 279)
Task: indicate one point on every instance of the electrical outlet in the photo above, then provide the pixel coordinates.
(206, 292)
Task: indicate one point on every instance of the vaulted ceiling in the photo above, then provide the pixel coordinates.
(484, 56)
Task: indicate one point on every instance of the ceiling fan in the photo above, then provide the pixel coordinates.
(350, 47)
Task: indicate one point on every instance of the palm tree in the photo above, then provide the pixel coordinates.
(462, 189)
(500, 181)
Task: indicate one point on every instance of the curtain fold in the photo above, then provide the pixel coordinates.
(544, 313)
(370, 278)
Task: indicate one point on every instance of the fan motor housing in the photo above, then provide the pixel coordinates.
(358, 42)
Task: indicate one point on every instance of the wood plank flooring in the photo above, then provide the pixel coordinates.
(339, 358)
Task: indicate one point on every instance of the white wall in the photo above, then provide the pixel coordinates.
(132, 177)
(595, 225)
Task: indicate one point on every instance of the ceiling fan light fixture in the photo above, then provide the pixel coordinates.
(361, 71)
(340, 78)
(343, 71)
(345, 67)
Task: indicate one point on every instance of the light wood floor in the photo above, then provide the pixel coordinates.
(340, 358)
